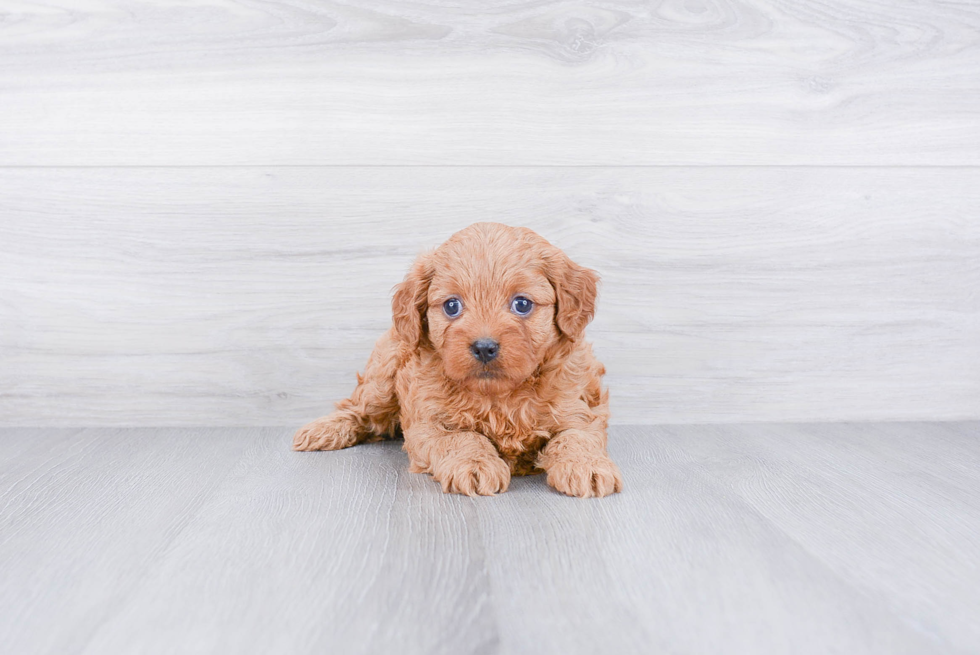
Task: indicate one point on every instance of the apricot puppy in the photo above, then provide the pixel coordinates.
(485, 370)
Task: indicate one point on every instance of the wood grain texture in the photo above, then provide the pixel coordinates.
(735, 538)
(315, 554)
(675, 564)
(85, 513)
(243, 296)
(867, 501)
(226, 82)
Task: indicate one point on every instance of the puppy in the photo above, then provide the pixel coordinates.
(485, 371)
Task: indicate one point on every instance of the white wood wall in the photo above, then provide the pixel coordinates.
(204, 206)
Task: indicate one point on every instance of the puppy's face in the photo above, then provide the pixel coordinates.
(491, 325)
(492, 302)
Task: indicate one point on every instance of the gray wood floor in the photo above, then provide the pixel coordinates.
(853, 538)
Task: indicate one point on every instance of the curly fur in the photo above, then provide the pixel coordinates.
(539, 405)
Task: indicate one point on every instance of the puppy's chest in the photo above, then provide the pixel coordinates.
(519, 435)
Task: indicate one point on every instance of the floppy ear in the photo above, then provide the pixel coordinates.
(411, 301)
(575, 292)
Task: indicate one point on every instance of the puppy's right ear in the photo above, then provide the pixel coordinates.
(411, 302)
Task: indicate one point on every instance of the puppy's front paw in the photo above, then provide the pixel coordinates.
(586, 478)
(483, 475)
(328, 433)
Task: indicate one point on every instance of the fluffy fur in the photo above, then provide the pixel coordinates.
(539, 405)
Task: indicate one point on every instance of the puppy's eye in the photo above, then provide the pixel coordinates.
(521, 306)
(452, 307)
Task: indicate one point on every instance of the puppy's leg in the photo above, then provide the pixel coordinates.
(464, 462)
(577, 462)
(371, 413)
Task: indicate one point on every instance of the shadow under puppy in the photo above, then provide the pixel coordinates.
(485, 370)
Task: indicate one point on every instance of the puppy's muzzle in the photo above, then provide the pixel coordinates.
(485, 350)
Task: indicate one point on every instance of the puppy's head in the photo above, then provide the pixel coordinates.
(493, 302)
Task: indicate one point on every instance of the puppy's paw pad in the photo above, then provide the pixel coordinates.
(482, 476)
(328, 433)
(586, 478)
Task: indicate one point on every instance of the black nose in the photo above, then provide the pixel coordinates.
(485, 349)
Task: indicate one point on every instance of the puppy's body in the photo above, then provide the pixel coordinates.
(485, 370)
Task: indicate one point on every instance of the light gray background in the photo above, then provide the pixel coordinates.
(205, 205)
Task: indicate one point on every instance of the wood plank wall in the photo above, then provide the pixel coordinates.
(204, 206)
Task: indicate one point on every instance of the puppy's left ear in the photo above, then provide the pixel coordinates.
(575, 292)
(411, 302)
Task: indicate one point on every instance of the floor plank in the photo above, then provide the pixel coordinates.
(83, 519)
(737, 538)
(681, 566)
(238, 82)
(157, 296)
(865, 502)
(314, 554)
